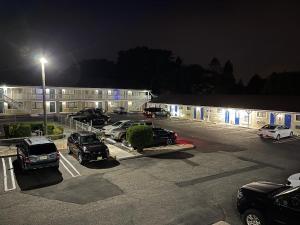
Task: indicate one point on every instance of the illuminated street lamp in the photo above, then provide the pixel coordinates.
(43, 61)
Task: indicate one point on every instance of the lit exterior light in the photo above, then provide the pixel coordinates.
(109, 92)
(109, 103)
(198, 108)
(43, 60)
(129, 92)
(129, 103)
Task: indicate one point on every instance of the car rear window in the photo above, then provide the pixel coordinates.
(271, 127)
(42, 149)
(90, 139)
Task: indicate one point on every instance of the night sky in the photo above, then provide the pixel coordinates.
(257, 37)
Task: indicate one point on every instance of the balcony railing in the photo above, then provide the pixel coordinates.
(61, 97)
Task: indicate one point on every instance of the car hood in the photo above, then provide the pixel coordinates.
(263, 187)
(108, 127)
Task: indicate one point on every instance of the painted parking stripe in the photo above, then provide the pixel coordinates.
(67, 161)
(6, 177)
(286, 140)
(61, 161)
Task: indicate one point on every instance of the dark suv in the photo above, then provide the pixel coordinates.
(262, 203)
(86, 146)
(37, 152)
(156, 112)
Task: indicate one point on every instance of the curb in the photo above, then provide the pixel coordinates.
(154, 154)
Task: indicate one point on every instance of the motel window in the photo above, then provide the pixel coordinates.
(37, 105)
(219, 110)
(89, 104)
(188, 108)
(71, 105)
(297, 127)
(298, 117)
(69, 91)
(261, 114)
(39, 91)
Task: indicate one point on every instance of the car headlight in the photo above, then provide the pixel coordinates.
(85, 149)
(240, 194)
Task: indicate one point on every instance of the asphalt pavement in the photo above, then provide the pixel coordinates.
(190, 187)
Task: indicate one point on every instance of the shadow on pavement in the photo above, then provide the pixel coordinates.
(174, 155)
(102, 164)
(37, 178)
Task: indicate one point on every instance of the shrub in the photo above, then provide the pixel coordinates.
(19, 130)
(139, 136)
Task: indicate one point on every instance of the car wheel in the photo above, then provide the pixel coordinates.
(123, 137)
(80, 159)
(278, 137)
(169, 141)
(69, 150)
(253, 217)
(291, 134)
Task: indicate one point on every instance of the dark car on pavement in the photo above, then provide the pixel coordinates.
(163, 137)
(154, 112)
(119, 133)
(93, 116)
(37, 152)
(262, 203)
(87, 146)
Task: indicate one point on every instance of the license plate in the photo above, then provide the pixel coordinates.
(43, 157)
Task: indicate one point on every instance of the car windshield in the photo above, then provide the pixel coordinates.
(270, 127)
(117, 124)
(90, 139)
(42, 149)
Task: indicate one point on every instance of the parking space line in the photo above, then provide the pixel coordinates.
(12, 174)
(285, 140)
(78, 174)
(61, 161)
(5, 175)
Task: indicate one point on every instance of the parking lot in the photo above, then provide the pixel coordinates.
(190, 187)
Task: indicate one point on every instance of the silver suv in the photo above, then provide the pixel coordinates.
(119, 134)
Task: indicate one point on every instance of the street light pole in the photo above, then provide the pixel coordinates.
(43, 61)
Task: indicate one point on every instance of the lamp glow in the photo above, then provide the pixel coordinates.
(43, 60)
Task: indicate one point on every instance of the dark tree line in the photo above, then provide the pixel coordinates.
(161, 71)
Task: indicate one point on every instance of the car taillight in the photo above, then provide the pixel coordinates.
(27, 160)
(57, 155)
(175, 135)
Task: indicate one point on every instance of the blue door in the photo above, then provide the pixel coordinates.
(287, 120)
(237, 118)
(202, 113)
(226, 116)
(195, 113)
(272, 118)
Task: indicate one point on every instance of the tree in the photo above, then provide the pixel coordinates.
(215, 65)
(255, 85)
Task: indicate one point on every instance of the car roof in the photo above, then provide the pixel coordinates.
(38, 140)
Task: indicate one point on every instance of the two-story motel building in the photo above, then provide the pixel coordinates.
(245, 110)
(28, 99)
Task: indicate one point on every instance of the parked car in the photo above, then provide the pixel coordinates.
(122, 123)
(163, 137)
(263, 203)
(120, 110)
(294, 180)
(119, 134)
(156, 112)
(37, 152)
(275, 131)
(86, 146)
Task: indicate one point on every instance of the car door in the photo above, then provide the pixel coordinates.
(75, 142)
(287, 209)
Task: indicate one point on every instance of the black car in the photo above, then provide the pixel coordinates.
(86, 146)
(37, 152)
(262, 203)
(96, 119)
(156, 112)
(163, 137)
